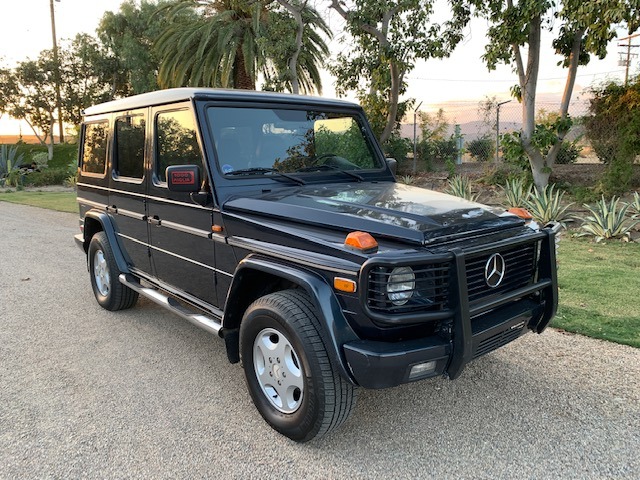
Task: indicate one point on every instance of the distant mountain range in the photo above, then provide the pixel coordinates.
(469, 130)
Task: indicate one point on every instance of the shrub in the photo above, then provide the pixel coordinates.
(607, 221)
(41, 159)
(397, 147)
(569, 153)
(546, 206)
(481, 149)
(49, 176)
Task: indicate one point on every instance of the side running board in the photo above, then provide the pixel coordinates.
(209, 324)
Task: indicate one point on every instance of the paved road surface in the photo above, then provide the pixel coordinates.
(141, 393)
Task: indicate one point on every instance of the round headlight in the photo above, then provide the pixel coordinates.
(401, 285)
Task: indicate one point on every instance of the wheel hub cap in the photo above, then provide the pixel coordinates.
(101, 273)
(278, 370)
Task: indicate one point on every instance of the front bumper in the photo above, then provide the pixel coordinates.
(381, 365)
(478, 330)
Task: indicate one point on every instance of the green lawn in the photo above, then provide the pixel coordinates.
(599, 289)
(60, 201)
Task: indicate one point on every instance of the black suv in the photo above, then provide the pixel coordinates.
(275, 222)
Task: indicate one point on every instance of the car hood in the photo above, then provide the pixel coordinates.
(388, 209)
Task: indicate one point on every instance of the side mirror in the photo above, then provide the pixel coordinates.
(393, 165)
(183, 178)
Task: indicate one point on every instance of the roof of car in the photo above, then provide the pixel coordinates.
(172, 95)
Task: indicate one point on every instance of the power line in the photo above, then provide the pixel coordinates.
(467, 80)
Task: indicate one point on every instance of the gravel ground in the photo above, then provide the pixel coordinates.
(141, 393)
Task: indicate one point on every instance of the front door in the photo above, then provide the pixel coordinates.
(182, 251)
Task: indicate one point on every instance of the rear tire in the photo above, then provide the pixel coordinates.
(291, 379)
(103, 270)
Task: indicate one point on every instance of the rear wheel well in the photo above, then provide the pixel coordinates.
(91, 227)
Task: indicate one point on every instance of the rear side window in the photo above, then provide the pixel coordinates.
(177, 143)
(94, 148)
(129, 146)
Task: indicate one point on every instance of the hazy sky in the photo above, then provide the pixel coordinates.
(462, 79)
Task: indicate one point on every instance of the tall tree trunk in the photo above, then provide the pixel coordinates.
(293, 61)
(394, 95)
(241, 78)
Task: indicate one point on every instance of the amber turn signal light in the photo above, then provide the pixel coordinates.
(344, 285)
(521, 212)
(361, 241)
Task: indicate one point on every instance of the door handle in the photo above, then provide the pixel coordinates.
(155, 220)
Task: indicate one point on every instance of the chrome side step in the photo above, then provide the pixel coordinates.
(209, 324)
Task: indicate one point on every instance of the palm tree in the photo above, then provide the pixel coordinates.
(234, 40)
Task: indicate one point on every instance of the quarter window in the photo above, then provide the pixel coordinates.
(177, 143)
(130, 146)
(94, 148)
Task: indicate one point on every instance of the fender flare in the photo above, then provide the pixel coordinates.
(109, 230)
(336, 331)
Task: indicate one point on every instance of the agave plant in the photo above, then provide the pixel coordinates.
(515, 192)
(408, 179)
(461, 187)
(546, 206)
(607, 221)
(9, 159)
(634, 205)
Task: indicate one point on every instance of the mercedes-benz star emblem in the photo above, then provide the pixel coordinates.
(494, 270)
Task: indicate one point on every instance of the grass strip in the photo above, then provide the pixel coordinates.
(60, 201)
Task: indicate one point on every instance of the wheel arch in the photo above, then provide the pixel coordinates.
(271, 276)
(95, 222)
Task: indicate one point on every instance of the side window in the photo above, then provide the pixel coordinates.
(94, 148)
(129, 146)
(176, 141)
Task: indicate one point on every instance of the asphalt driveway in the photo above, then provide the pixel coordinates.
(141, 393)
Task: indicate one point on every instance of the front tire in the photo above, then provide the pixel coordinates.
(103, 270)
(291, 379)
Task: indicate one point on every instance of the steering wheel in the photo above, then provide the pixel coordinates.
(316, 160)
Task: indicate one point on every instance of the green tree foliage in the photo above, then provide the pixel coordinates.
(614, 131)
(230, 41)
(386, 38)
(128, 36)
(84, 77)
(580, 29)
(435, 144)
(28, 93)
(294, 59)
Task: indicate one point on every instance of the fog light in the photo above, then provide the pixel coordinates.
(422, 370)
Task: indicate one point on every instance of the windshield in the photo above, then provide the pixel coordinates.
(263, 140)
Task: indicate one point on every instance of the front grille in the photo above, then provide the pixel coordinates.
(496, 341)
(519, 270)
(429, 295)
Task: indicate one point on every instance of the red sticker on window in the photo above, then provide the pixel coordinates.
(183, 178)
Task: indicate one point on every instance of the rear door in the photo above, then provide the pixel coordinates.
(128, 182)
(182, 250)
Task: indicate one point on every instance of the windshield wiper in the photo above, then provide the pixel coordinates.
(254, 170)
(324, 166)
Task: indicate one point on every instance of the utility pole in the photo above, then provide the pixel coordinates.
(57, 71)
(415, 144)
(498, 129)
(627, 63)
